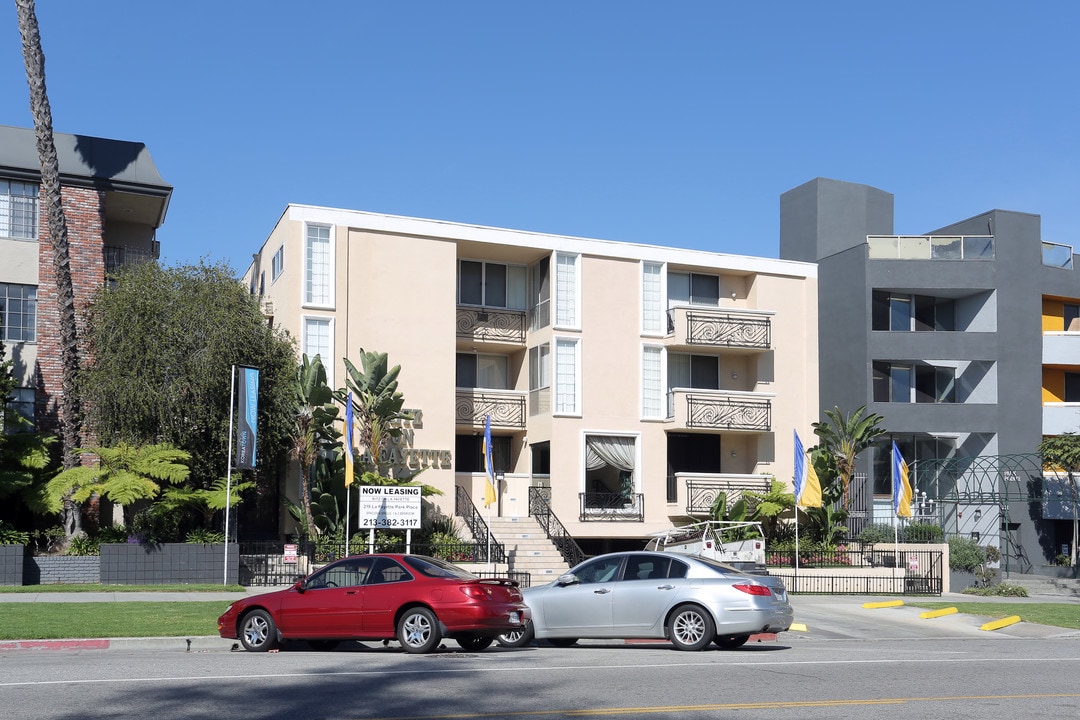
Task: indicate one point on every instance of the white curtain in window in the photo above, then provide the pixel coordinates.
(517, 287)
(491, 372)
(651, 312)
(601, 450)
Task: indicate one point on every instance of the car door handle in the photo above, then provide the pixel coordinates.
(665, 587)
(602, 591)
(350, 592)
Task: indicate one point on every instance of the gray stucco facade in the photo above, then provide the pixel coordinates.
(972, 357)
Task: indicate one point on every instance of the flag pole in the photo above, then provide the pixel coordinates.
(228, 474)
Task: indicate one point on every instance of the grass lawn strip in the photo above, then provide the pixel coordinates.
(88, 588)
(71, 620)
(1057, 614)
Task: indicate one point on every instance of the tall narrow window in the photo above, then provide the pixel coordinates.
(277, 264)
(318, 270)
(566, 291)
(539, 296)
(318, 340)
(539, 380)
(18, 313)
(652, 312)
(652, 390)
(566, 384)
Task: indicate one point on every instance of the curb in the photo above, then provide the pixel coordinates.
(172, 644)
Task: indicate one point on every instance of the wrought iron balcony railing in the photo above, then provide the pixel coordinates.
(719, 411)
(494, 325)
(720, 328)
(701, 493)
(506, 409)
(612, 506)
(116, 256)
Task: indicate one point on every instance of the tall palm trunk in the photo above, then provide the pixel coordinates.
(70, 429)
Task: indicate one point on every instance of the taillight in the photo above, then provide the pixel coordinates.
(753, 589)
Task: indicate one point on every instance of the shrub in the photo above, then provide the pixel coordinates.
(113, 534)
(84, 546)
(202, 536)
(999, 590)
(923, 532)
(11, 536)
(48, 540)
(876, 533)
(965, 554)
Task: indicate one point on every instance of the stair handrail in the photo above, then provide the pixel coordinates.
(466, 510)
(540, 508)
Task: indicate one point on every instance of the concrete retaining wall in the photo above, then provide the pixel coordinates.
(62, 569)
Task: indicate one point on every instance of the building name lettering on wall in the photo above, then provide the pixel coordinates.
(401, 452)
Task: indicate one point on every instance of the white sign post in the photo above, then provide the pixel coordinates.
(390, 507)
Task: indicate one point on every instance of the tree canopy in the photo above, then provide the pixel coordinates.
(163, 341)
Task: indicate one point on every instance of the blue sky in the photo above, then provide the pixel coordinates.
(669, 122)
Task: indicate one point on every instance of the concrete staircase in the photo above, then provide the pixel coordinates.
(1044, 585)
(528, 549)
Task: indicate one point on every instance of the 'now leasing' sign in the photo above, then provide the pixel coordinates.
(389, 507)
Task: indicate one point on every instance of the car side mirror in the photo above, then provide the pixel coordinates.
(567, 579)
(299, 586)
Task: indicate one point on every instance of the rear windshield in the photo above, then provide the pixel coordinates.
(434, 567)
(719, 566)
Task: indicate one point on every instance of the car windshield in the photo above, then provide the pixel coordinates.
(719, 566)
(434, 567)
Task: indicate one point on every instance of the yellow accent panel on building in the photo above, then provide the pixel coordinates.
(1053, 385)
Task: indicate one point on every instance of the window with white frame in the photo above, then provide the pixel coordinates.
(540, 379)
(652, 310)
(319, 340)
(19, 403)
(277, 264)
(492, 284)
(566, 376)
(652, 388)
(318, 266)
(566, 291)
(18, 313)
(18, 210)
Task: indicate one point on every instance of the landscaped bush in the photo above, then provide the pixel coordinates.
(923, 532)
(11, 536)
(876, 533)
(965, 554)
(999, 590)
(83, 546)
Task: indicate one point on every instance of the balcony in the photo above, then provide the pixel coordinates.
(1060, 348)
(597, 506)
(507, 409)
(702, 489)
(930, 247)
(1060, 417)
(719, 410)
(491, 325)
(702, 327)
(117, 256)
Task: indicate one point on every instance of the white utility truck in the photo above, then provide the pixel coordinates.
(739, 544)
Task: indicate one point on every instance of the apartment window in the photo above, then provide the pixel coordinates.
(262, 284)
(693, 289)
(492, 284)
(319, 267)
(469, 453)
(277, 264)
(18, 313)
(19, 403)
(610, 469)
(904, 383)
(652, 390)
(701, 372)
(18, 210)
(318, 340)
(539, 296)
(1072, 387)
(566, 291)
(904, 312)
(483, 371)
(566, 376)
(652, 311)
(539, 379)
(1071, 313)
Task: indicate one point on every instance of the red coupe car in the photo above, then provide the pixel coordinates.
(414, 599)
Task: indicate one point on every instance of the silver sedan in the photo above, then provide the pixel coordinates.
(690, 600)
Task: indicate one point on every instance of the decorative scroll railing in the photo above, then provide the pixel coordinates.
(506, 409)
(540, 508)
(612, 506)
(723, 330)
(725, 412)
(464, 509)
(701, 494)
(491, 325)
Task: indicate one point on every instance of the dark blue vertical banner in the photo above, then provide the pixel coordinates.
(247, 418)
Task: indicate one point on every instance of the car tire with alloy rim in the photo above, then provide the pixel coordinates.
(258, 632)
(418, 630)
(474, 643)
(730, 642)
(517, 638)
(690, 628)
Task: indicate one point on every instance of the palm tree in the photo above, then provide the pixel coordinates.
(844, 438)
(124, 474)
(70, 424)
(313, 431)
(376, 403)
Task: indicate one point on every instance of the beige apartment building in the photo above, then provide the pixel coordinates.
(626, 385)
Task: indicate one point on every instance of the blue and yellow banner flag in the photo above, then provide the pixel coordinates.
(901, 484)
(489, 466)
(807, 485)
(348, 441)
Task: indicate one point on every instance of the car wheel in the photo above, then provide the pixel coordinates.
(690, 628)
(418, 630)
(322, 645)
(257, 631)
(474, 642)
(517, 638)
(562, 642)
(730, 642)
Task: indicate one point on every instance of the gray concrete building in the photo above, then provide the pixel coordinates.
(964, 340)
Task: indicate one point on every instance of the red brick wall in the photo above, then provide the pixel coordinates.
(84, 210)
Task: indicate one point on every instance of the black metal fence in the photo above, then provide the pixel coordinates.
(874, 570)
